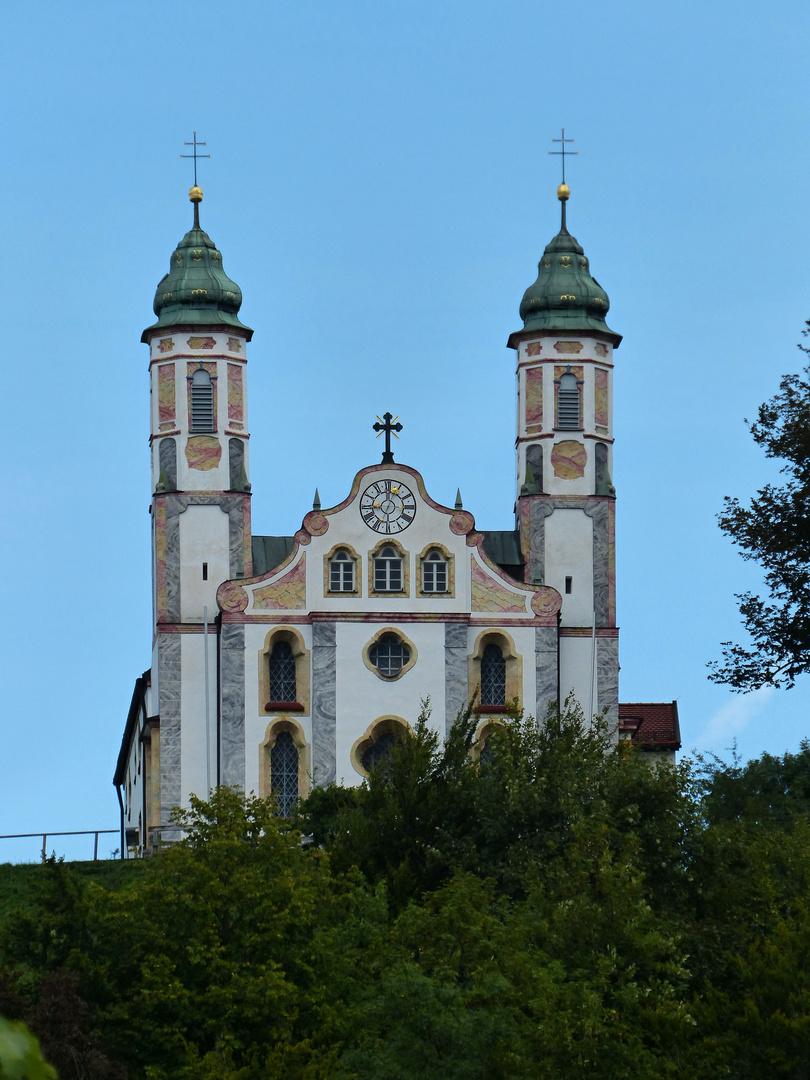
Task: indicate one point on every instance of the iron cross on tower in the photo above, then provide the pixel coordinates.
(195, 155)
(387, 424)
(561, 152)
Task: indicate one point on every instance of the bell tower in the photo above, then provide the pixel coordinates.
(565, 496)
(200, 503)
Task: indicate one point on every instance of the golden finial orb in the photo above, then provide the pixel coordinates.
(195, 194)
(563, 191)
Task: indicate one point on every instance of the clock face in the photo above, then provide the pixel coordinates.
(387, 506)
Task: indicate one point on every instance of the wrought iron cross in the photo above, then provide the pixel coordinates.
(389, 425)
(195, 155)
(561, 152)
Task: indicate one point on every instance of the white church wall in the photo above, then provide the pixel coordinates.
(363, 697)
(203, 539)
(569, 553)
(576, 664)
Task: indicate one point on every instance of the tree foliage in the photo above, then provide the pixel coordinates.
(559, 908)
(774, 531)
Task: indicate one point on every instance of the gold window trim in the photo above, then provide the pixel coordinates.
(358, 570)
(274, 729)
(389, 541)
(301, 655)
(514, 667)
(405, 641)
(451, 571)
(383, 724)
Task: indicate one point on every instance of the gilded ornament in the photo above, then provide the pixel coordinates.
(199, 292)
(565, 261)
(196, 255)
(567, 296)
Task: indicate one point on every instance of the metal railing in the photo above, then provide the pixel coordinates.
(77, 832)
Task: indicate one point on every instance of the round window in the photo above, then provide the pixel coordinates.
(389, 655)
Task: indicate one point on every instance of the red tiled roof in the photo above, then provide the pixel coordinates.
(652, 724)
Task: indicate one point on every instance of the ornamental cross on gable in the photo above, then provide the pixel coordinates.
(194, 154)
(387, 424)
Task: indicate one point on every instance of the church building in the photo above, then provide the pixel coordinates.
(281, 662)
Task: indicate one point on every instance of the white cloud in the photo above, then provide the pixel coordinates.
(732, 718)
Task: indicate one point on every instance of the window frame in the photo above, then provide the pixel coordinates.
(301, 656)
(383, 725)
(194, 427)
(356, 561)
(395, 632)
(402, 555)
(275, 727)
(514, 671)
(449, 560)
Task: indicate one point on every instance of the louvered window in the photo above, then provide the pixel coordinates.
(434, 573)
(284, 773)
(493, 676)
(388, 571)
(568, 402)
(202, 401)
(379, 751)
(341, 573)
(389, 655)
(282, 673)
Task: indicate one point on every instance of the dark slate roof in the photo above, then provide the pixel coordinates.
(269, 552)
(503, 547)
(653, 725)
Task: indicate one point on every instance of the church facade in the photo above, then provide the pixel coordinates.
(279, 662)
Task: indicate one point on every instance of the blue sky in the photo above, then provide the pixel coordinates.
(381, 190)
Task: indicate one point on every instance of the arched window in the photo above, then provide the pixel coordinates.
(389, 655)
(281, 667)
(388, 570)
(568, 402)
(379, 751)
(374, 748)
(493, 676)
(202, 401)
(284, 773)
(434, 572)
(341, 572)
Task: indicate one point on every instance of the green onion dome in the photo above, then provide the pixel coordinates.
(565, 296)
(196, 291)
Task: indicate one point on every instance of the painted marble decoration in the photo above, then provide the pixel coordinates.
(534, 349)
(534, 396)
(601, 350)
(289, 593)
(232, 597)
(160, 557)
(568, 347)
(488, 594)
(201, 342)
(235, 393)
(461, 523)
(234, 344)
(546, 602)
(166, 344)
(203, 452)
(568, 459)
(166, 401)
(316, 524)
(600, 397)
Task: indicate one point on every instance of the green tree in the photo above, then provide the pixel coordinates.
(774, 531)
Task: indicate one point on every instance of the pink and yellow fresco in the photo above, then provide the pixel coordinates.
(289, 593)
(489, 595)
(568, 459)
(600, 398)
(534, 349)
(166, 399)
(203, 452)
(201, 342)
(534, 397)
(235, 393)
